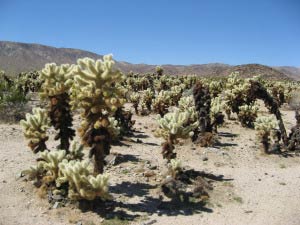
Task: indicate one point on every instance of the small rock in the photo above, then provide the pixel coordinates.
(57, 197)
(152, 167)
(79, 223)
(204, 158)
(4, 181)
(149, 173)
(57, 205)
(138, 141)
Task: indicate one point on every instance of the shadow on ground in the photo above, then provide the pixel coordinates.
(147, 204)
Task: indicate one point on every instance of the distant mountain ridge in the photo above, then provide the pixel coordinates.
(20, 57)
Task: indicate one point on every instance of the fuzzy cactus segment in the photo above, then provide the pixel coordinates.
(57, 79)
(35, 129)
(82, 185)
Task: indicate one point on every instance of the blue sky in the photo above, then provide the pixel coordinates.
(161, 31)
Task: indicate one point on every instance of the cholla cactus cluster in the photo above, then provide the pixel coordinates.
(81, 184)
(172, 126)
(162, 102)
(56, 168)
(266, 127)
(248, 114)
(35, 129)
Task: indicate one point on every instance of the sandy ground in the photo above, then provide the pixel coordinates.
(254, 189)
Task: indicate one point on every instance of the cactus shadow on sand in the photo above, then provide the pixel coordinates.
(149, 204)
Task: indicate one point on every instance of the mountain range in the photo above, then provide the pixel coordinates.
(18, 57)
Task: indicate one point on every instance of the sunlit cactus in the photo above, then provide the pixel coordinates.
(57, 81)
(81, 184)
(135, 99)
(147, 98)
(215, 88)
(47, 169)
(248, 114)
(95, 91)
(266, 127)
(216, 112)
(162, 102)
(172, 126)
(159, 71)
(35, 129)
(174, 167)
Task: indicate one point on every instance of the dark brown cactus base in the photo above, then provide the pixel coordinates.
(38, 147)
(61, 119)
(167, 151)
(125, 121)
(100, 141)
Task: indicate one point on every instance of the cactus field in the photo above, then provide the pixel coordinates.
(93, 145)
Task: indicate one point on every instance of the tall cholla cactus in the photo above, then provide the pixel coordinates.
(148, 96)
(81, 184)
(203, 104)
(266, 126)
(248, 114)
(35, 129)
(95, 91)
(172, 126)
(216, 115)
(56, 87)
(135, 99)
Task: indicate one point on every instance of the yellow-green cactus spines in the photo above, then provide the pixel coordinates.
(81, 184)
(56, 87)
(172, 126)
(266, 127)
(95, 91)
(35, 129)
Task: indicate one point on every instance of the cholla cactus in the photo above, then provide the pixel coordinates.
(172, 126)
(159, 70)
(75, 152)
(176, 93)
(81, 184)
(148, 96)
(95, 91)
(202, 100)
(215, 88)
(114, 128)
(162, 102)
(216, 115)
(57, 83)
(174, 166)
(248, 114)
(47, 168)
(35, 129)
(135, 99)
(187, 104)
(266, 126)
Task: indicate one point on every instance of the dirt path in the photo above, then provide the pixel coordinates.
(256, 189)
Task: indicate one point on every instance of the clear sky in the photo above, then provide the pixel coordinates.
(162, 31)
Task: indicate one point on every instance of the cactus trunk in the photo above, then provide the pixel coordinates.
(61, 119)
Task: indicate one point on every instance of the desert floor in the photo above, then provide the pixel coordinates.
(254, 188)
